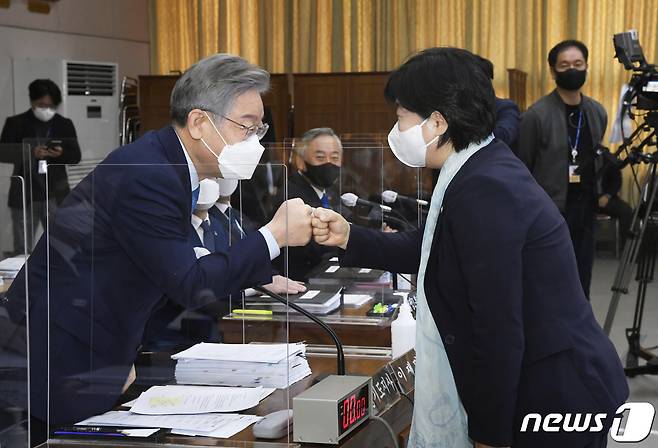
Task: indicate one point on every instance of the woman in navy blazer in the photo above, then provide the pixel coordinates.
(501, 280)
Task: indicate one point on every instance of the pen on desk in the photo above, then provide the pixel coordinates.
(84, 428)
(254, 312)
(89, 433)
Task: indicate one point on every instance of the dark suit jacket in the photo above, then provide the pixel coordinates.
(503, 288)
(20, 127)
(156, 335)
(301, 260)
(508, 117)
(118, 243)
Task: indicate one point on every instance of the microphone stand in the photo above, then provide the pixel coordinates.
(340, 356)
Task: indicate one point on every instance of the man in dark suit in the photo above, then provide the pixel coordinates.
(497, 275)
(46, 138)
(120, 242)
(317, 161)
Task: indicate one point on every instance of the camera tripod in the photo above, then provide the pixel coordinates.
(640, 248)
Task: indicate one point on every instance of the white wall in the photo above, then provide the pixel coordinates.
(93, 30)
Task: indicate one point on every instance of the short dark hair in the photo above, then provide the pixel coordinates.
(450, 81)
(487, 66)
(560, 47)
(42, 87)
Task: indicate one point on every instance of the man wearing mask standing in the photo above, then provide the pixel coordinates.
(318, 160)
(120, 242)
(52, 140)
(556, 141)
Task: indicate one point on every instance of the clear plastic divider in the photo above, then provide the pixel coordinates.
(138, 266)
(15, 390)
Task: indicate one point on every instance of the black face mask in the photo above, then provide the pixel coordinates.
(324, 175)
(571, 79)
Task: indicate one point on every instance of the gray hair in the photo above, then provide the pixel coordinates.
(314, 133)
(213, 84)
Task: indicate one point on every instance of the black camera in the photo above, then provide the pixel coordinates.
(643, 86)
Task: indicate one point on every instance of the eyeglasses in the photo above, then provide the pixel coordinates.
(258, 129)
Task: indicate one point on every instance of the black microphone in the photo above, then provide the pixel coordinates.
(340, 368)
(390, 196)
(350, 199)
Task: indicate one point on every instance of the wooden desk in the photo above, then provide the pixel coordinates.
(351, 324)
(370, 434)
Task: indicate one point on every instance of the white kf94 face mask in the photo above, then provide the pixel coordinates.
(227, 187)
(44, 114)
(208, 194)
(409, 146)
(237, 161)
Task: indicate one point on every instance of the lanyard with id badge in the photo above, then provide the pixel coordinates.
(574, 172)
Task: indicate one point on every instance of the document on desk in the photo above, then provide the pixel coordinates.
(193, 422)
(177, 399)
(234, 423)
(259, 353)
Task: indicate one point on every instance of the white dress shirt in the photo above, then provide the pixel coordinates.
(194, 176)
(272, 245)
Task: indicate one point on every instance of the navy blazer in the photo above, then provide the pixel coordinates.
(508, 119)
(118, 243)
(503, 288)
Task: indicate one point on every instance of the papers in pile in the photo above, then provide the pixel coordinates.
(249, 365)
(188, 410)
(209, 425)
(9, 267)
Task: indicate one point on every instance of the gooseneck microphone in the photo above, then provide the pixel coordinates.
(350, 200)
(340, 356)
(390, 196)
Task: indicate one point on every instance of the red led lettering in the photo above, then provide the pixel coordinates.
(346, 419)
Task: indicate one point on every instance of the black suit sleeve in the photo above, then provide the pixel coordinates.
(147, 224)
(507, 121)
(70, 147)
(11, 150)
(489, 234)
(396, 252)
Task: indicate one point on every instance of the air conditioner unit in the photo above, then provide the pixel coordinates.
(90, 98)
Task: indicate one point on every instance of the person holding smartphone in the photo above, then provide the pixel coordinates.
(51, 139)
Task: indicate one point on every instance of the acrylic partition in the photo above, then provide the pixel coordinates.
(139, 272)
(15, 390)
(351, 183)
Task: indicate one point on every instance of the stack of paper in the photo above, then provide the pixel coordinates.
(210, 425)
(188, 410)
(250, 365)
(9, 267)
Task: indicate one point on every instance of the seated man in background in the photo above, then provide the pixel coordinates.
(609, 203)
(316, 168)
